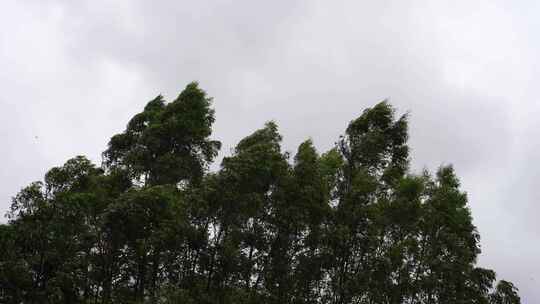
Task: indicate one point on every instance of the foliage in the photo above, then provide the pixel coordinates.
(154, 225)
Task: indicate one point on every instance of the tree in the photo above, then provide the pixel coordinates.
(154, 225)
(167, 143)
(505, 293)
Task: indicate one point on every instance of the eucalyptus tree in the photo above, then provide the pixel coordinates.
(165, 150)
(167, 143)
(153, 224)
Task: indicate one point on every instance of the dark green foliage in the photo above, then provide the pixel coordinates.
(153, 225)
(505, 293)
(167, 143)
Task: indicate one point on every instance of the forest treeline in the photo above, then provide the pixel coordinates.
(152, 223)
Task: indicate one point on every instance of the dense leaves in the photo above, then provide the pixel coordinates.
(154, 225)
(167, 143)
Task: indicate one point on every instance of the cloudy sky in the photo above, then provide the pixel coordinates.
(73, 72)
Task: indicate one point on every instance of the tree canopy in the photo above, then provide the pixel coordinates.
(152, 223)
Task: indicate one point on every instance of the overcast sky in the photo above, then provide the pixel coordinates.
(71, 75)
